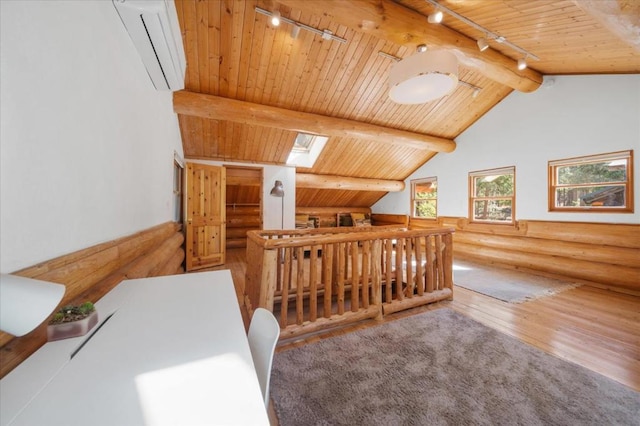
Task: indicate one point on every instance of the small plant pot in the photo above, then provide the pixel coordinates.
(72, 329)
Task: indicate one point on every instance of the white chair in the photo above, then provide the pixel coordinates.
(263, 335)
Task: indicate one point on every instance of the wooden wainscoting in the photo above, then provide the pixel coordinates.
(90, 273)
(606, 255)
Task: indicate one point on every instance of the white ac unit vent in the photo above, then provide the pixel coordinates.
(153, 27)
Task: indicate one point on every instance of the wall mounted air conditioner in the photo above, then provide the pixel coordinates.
(153, 27)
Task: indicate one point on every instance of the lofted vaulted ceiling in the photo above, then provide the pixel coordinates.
(249, 86)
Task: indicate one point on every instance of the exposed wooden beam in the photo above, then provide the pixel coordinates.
(218, 108)
(398, 24)
(306, 180)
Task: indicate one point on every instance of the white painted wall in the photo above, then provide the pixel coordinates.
(272, 206)
(576, 116)
(86, 143)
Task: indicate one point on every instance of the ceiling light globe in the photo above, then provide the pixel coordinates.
(423, 77)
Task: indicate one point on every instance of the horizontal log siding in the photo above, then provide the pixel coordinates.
(90, 273)
(607, 255)
(240, 220)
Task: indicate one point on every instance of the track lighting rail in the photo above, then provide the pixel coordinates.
(325, 34)
(489, 35)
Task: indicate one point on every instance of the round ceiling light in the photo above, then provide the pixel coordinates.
(423, 77)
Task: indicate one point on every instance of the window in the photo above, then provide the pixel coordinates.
(492, 196)
(596, 183)
(306, 149)
(178, 176)
(424, 198)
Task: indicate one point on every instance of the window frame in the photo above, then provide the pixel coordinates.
(412, 206)
(553, 185)
(473, 198)
(178, 188)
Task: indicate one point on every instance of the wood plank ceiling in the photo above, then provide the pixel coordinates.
(234, 53)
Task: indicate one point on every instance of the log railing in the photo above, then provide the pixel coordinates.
(320, 278)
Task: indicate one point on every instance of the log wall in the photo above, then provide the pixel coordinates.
(90, 273)
(604, 255)
(240, 220)
(328, 216)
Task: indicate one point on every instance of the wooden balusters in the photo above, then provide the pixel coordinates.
(341, 278)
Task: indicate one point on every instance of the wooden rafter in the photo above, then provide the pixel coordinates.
(307, 180)
(218, 108)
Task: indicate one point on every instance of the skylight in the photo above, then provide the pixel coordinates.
(306, 149)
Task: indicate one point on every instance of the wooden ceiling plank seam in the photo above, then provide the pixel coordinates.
(286, 68)
(227, 139)
(226, 40)
(195, 134)
(281, 79)
(313, 67)
(246, 52)
(213, 41)
(361, 86)
(312, 71)
(353, 71)
(236, 47)
(296, 82)
(202, 20)
(272, 66)
(265, 53)
(190, 41)
(325, 78)
(371, 88)
(339, 72)
(211, 147)
(332, 77)
(348, 74)
(206, 135)
(259, 29)
(252, 142)
(240, 141)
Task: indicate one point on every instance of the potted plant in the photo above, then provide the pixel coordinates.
(72, 321)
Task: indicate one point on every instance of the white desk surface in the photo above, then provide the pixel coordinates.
(175, 352)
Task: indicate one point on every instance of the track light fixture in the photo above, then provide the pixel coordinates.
(295, 31)
(275, 18)
(482, 44)
(435, 17)
(522, 63)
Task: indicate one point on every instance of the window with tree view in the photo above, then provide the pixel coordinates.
(596, 183)
(424, 198)
(493, 195)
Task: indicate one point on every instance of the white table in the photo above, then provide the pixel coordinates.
(174, 352)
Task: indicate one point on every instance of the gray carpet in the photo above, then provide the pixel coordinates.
(440, 368)
(505, 284)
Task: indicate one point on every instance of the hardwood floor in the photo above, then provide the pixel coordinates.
(593, 327)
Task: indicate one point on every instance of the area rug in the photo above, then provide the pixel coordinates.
(440, 368)
(505, 284)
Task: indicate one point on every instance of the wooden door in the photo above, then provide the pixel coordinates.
(206, 227)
